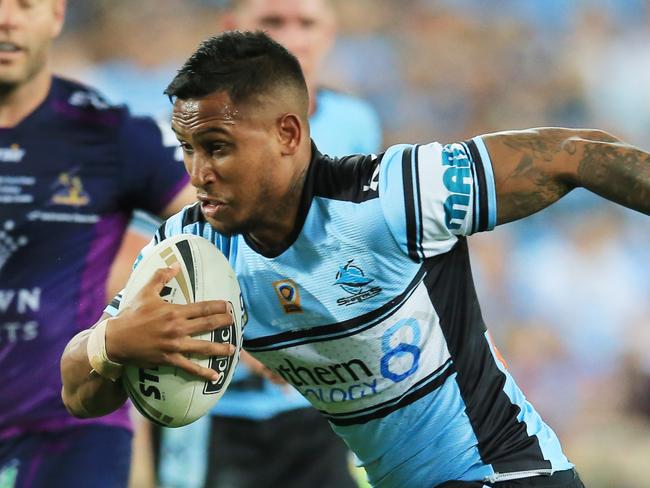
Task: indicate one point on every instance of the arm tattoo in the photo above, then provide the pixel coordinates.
(618, 172)
(538, 146)
(528, 185)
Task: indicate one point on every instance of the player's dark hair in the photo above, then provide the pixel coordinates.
(243, 64)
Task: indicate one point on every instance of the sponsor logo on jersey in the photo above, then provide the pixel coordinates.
(9, 243)
(68, 190)
(458, 181)
(11, 154)
(16, 189)
(289, 296)
(88, 99)
(353, 280)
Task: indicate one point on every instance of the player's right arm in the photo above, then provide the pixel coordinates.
(536, 167)
(149, 332)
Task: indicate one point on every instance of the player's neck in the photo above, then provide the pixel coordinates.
(18, 102)
(275, 233)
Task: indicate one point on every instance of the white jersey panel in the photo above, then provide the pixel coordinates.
(433, 193)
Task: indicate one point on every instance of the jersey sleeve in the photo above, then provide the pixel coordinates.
(430, 194)
(153, 169)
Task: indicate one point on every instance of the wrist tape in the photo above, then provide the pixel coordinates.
(96, 349)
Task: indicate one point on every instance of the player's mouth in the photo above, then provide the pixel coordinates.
(9, 50)
(7, 47)
(211, 207)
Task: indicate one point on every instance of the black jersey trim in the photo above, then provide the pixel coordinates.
(160, 234)
(481, 220)
(503, 440)
(420, 389)
(418, 201)
(115, 302)
(192, 215)
(337, 330)
(350, 179)
(409, 205)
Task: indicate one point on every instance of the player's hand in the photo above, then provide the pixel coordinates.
(259, 369)
(151, 332)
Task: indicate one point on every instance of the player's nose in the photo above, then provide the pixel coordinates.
(201, 173)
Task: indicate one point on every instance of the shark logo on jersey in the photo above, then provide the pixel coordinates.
(353, 280)
(9, 244)
(68, 190)
(11, 154)
(288, 295)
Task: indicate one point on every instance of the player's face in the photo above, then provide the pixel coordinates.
(305, 27)
(27, 28)
(234, 158)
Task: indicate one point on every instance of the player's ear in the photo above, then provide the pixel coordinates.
(58, 15)
(290, 132)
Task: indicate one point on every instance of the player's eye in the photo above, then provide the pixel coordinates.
(187, 149)
(217, 148)
(307, 23)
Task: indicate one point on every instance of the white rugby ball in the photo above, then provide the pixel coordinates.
(168, 395)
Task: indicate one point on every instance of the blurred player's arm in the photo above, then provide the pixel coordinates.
(184, 197)
(534, 168)
(133, 242)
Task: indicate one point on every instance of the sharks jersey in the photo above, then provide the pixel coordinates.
(70, 175)
(371, 314)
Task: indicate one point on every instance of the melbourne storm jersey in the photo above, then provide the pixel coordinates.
(371, 314)
(70, 175)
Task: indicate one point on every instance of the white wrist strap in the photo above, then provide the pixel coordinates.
(96, 349)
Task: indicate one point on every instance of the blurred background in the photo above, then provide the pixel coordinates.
(566, 293)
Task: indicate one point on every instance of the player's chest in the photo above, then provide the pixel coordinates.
(51, 178)
(317, 284)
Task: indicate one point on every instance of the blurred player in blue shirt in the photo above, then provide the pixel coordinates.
(72, 169)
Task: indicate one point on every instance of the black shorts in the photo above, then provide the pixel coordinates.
(561, 479)
(296, 449)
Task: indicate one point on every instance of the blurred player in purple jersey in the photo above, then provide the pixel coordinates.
(72, 169)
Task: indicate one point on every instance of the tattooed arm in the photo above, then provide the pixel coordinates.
(536, 167)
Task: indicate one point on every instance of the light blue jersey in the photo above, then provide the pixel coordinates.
(358, 132)
(371, 314)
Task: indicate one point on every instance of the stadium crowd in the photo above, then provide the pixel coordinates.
(570, 306)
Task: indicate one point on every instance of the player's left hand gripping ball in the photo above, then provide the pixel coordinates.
(168, 395)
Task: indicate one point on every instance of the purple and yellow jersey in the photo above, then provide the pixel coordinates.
(71, 174)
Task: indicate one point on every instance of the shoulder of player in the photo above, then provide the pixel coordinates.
(86, 105)
(356, 177)
(79, 102)
(348, 178)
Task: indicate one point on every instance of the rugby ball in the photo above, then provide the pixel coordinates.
(168, 395)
